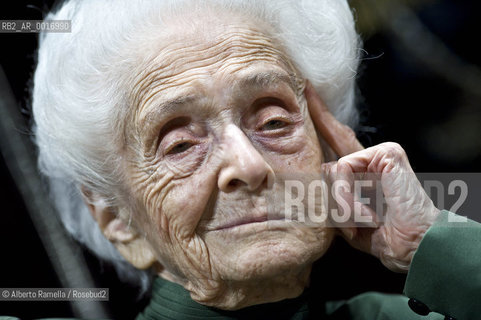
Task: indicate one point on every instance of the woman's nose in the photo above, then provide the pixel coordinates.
(243, 165)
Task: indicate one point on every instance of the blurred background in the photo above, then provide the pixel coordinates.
(419, 85)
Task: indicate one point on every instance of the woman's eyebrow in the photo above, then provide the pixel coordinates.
(268, 78)
(165, 108)
(261, 80)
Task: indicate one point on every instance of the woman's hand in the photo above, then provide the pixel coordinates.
(393, 235)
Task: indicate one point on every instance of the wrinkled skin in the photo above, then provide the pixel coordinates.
(409, 210)
(217, 117)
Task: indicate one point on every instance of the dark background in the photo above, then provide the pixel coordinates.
(425, 96)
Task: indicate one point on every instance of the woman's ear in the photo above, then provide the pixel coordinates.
(134, 248)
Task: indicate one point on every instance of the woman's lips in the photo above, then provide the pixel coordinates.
(245, 221)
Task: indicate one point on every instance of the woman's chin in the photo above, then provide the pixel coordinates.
(267, 259)
(273, 282)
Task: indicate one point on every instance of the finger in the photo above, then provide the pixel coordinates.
(376, 159)
(340, 137)
(350, 213)
(341, 188)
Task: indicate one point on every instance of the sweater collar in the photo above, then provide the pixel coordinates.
(171, 301)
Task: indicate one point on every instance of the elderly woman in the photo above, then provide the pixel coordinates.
(167, 130)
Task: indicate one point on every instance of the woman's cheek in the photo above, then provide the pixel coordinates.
(183, 185)
(187, 202)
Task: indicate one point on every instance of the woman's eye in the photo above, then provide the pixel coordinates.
(179, 148)
(274, 124)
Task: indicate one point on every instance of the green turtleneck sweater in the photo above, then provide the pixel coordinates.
(445, 277)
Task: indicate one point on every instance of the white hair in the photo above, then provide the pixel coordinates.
(82, 80)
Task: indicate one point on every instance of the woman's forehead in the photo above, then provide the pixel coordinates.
(235, 53)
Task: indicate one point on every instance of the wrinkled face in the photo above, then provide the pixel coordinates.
(218, 115)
